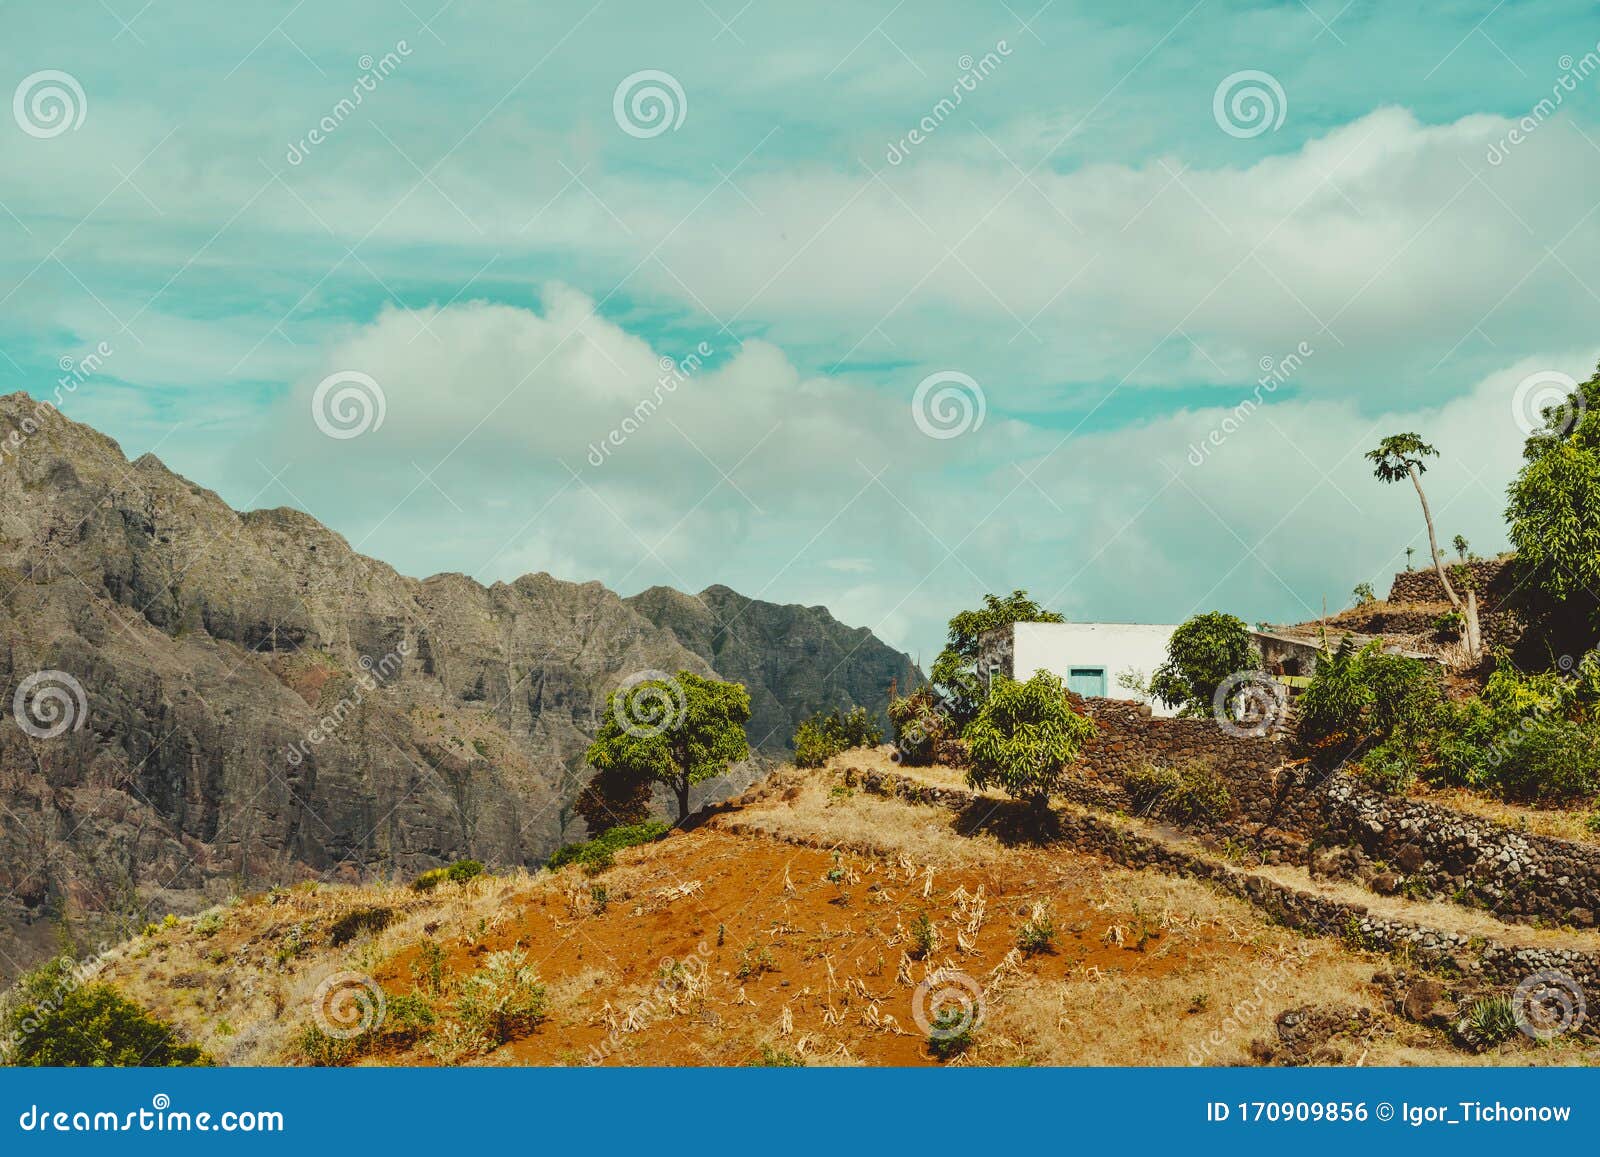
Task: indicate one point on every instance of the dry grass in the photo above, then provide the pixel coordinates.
(798, 926)
(1555, 823)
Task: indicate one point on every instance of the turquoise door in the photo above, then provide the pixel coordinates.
(1087, 681)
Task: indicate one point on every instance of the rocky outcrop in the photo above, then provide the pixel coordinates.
(794, 660)
(248, 701)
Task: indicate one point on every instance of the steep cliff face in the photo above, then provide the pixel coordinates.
(198, 700)
(794, 660)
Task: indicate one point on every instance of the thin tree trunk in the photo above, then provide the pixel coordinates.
(1433, 542)
(681, 789)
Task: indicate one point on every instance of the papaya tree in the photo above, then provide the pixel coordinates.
(1401, 457)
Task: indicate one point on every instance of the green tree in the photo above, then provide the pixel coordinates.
(1554, 508)
(679, 731)
(1463, 547)
(51, 1018)
(1201, 655)
(1364, 593)
(956, 672)
(1024, 736)
(1404, 456)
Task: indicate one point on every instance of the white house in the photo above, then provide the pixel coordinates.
(1092, 659)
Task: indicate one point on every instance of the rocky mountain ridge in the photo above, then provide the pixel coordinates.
(208, 700)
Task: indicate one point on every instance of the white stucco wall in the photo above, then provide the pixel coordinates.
(1117, 647)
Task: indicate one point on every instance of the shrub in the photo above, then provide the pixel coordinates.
(358, 921)
(1359, 698)
(825, 735)
(503, 1000)
(774, 1058)
(1024, 736)
(457, 873)
(1038, 932)
(950, 1033)
(600, 853)
(1551, 761)
(1188, 795)
(1391, 767)
(924, 937)
(1488, 1022)
(926, 731)
(51, 1019)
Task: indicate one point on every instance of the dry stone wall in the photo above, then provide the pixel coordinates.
(1338, 825)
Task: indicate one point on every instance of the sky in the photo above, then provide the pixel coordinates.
(874, 305)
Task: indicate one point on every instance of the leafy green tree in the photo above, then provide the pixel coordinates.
(1463, 547)
(679, 731)
(956, 672)
(52, 1019)
(1024, 736)
(1554, 508)
(1201, 655)
(1363, 593)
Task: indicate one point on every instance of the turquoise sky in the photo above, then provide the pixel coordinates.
(1180, 317)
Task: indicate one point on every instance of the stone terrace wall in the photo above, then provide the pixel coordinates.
(1490, 578)
(1285, 808)
(1319, 915)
